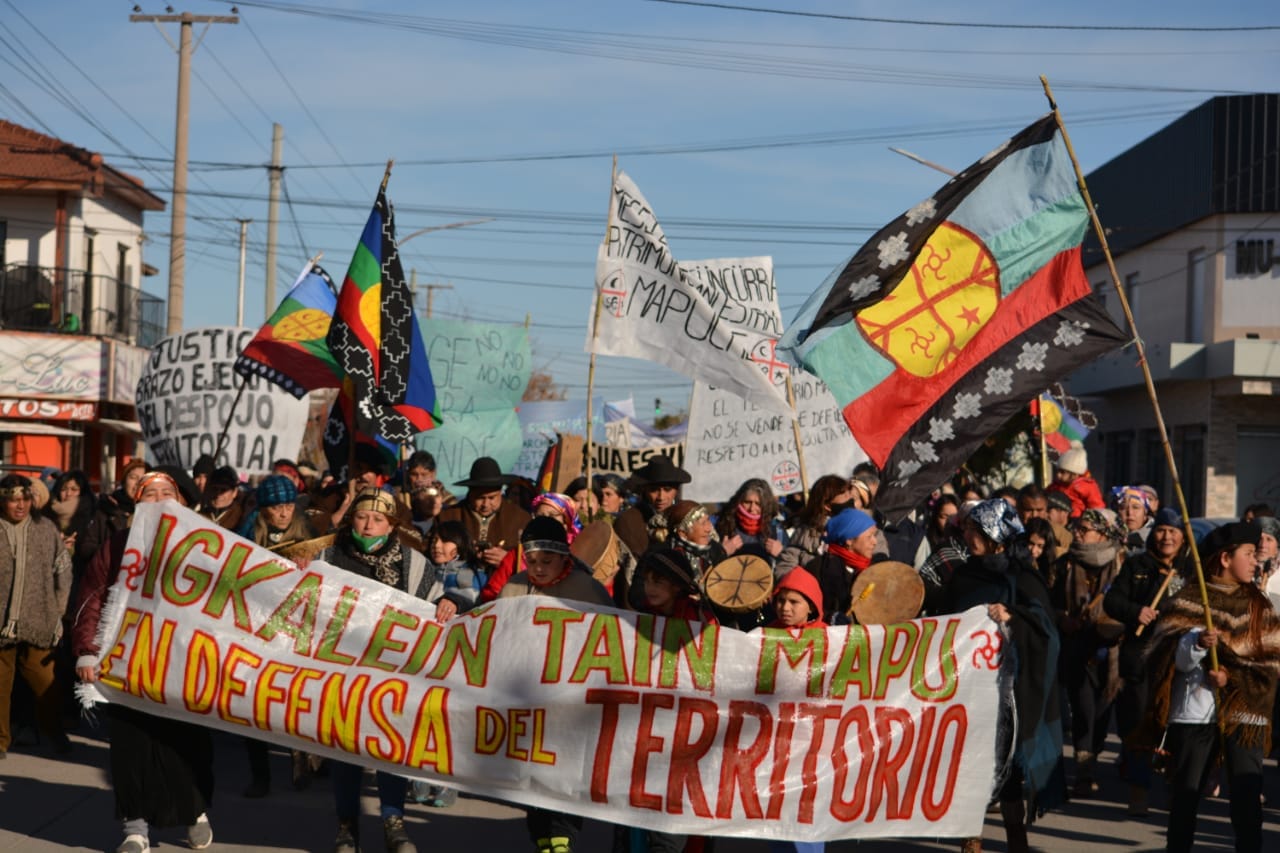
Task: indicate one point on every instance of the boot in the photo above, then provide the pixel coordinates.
(395, 836)
(1015, 825)
(348, 838)
(1085, 785)
(1137, 801)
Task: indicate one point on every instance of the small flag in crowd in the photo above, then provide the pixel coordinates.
(376, 341)
(952, 316)
(1061, 428)
(291, 349)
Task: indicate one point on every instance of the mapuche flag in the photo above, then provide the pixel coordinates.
(376, 341)
(1061, 428)
(952, 316)
(292, 349)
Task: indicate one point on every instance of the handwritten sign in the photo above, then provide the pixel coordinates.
(850, 732)
(481, 371)
(540, 421)
(187, 393)
(622, 460)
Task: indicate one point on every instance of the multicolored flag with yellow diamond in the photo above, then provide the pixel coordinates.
(291, 349)
(376, 342)
(951, 317)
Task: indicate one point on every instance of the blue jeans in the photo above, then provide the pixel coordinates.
(346, 780)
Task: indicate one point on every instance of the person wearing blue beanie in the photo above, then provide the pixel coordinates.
(851, 542)
(848, 524)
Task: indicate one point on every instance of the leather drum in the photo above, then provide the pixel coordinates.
(600, 548)
(887, 592)
(739, 584)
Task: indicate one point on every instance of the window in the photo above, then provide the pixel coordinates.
(1131, 290)
(1195, 296)
(1154, 466)
(1118, 449)
(122, 263)
(1191, 468)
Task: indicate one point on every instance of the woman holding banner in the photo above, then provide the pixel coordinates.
(161, 768)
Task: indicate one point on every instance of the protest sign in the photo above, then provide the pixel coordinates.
(187, 392)
(540, 421)
(730, 440)
(843, 732)
(715, 321)
(481, 371)
(612, 459)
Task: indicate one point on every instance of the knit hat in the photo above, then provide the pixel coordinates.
(204, 465)
(996, 519)
(1122, 494)
(802, 581)
(1058, 500)
(1103, 521)
(223, 478)
(275, 490)
(681, 515)
(1167, 516)
(545, 534)
(1235, 533)
(1268, 524)
(670, 564)
(848, 524)
(1074, 461)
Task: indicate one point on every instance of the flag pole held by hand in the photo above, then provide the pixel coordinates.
(1159, 595)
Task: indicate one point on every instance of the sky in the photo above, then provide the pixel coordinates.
(749, 133)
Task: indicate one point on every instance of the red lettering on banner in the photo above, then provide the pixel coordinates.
(339, 725)
(609, 700)
(846, 810)
(200, 676)
(490, 730)
(232, 684)
(781, 757)
(918, 757)
(266, 693)
(931, 808)
(819, 714)
(686, 753)
(431, 743)
(148, 662)
(647, 743)
(884, 783)
(299, 704)
(738, 766)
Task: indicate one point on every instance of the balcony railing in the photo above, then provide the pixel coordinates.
(56, 299)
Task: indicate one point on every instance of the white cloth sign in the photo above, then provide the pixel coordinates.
(622, 460)
(714, 321)
(188, 390)
(851, 732)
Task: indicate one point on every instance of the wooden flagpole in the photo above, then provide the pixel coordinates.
(1187, 530)
(795, 430)
(595, 324)
(1044, 450)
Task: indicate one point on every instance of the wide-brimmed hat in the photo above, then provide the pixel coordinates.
(486, 473)
(660, 470)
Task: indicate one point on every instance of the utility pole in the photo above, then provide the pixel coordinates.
(431, 291)
(273, 211)
(431, 294)
(178, 228)
(244, 238)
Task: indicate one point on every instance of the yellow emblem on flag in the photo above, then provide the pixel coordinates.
(306, 324)
(951, 291)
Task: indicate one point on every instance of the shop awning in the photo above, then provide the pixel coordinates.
(36, 428)
(126, 427)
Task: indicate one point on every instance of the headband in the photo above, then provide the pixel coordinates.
(151, 477)
(376, 500)
(15, 492)
(862, 487)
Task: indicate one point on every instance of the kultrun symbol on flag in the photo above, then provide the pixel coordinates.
(306, 324)
(951, 291)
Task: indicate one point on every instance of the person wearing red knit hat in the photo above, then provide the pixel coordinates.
(797, 599)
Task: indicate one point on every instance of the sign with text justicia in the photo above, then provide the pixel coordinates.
(851, 732)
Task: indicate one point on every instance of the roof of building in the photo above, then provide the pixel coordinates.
(33, 162)
(1221, 157)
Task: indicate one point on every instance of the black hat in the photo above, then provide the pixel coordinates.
(661, 471)
(204, 465)
(544, 533)
(1057, 500)
(186, 486)
(670, 564)
(1235, 533)
(486, 473)
(223, 478)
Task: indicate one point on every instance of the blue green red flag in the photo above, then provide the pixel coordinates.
(292, 349)
(952, 316)
(1061, 429)
(376, 341)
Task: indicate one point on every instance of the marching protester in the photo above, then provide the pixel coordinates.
(553, 505)
(71, 508)
(1205, 715)
(584, 500)
(1071, 478)
(35, 585)
(1042, 547)
(201, 471)
(691, 532)
(1268, 547)
(797, 603)
(459, 573)
(493, 521)
(113, 511)
(1032, 503)
(367, 545)
(749, 522)
(423, 492)
(949, 553)
(611, 494)
(1133, 599)
(1058, 507)
(550, 570)
(223, 501)
(161, 768)
(851, 545)
(1090, 638)
(658, 483)
(806, 540)
(1132, 505)
(998, 575)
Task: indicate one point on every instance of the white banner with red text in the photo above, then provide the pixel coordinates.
(849, 732)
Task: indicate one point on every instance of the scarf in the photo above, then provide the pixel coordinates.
(384, 564)
(1095, 555)
(16, 535)
(750, 522)
(64, 511)
(854, 561)
(1248, 649)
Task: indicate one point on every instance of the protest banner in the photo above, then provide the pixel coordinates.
(716, 321)
(481, 371)
(731, 440)
(612, 459)
(843, 732)
(188, 391)
(540, 421)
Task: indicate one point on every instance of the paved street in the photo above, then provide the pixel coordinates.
(48, 804)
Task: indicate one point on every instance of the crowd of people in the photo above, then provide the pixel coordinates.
(1098, 597)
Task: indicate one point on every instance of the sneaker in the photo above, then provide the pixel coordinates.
(134, 844)
(347, 839)
(397, 839)
(444, 797)
(200, 833)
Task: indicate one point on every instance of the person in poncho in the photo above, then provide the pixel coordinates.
(1225, 713)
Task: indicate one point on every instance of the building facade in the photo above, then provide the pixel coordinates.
(75, 324)
(1192, 215)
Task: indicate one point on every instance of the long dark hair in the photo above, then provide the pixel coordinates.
(728, 522)
(1042, 528)
(821, 493)
(455, 532)
(84, 511)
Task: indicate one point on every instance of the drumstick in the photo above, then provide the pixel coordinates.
(862, 595)
(1159, 595)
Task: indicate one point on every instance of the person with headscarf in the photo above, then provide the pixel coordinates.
(1205, 715)
(749, 522)
(161, 767)
(1090, 638)
(1131, 600)
(851, 546)
(366, 544)
(1132, 505)
(554, 505)
(998, 575)
(658, 484)
(807, 539)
